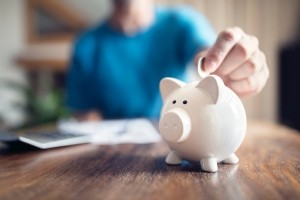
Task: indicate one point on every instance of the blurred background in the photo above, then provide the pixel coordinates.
(37, 35)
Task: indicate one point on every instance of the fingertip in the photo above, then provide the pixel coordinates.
(209, 65)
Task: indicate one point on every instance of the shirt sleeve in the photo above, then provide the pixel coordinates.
(79, 96)
(197, 33)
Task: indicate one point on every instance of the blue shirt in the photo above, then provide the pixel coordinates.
(119, 75)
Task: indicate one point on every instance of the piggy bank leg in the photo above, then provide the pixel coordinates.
(209, 164)
(173, 159)
(232, 159)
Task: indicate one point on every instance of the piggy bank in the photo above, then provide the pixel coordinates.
(202, 121)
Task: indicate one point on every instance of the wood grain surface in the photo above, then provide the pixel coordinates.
(269, 168)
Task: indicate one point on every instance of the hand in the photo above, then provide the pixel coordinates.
(88, 116)
(237, 59)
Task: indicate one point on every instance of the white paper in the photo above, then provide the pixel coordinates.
(114, 131)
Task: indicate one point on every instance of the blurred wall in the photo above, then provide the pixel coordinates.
(12, 40)
(92, 10)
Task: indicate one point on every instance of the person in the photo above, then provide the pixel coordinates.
(116, 66)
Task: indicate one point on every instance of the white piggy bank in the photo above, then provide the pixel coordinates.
(202, 121)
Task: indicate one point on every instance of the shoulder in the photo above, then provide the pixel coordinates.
(88, 37)
(180, 14)
(191, 23)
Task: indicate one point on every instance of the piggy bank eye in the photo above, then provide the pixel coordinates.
(184, 102)
(174, 101)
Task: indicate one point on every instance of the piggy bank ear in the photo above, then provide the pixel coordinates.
(213, 85)
(168, 85)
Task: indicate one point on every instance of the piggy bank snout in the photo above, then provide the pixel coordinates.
(175, 125)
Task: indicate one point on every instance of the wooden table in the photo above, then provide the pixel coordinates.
(269, 168)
